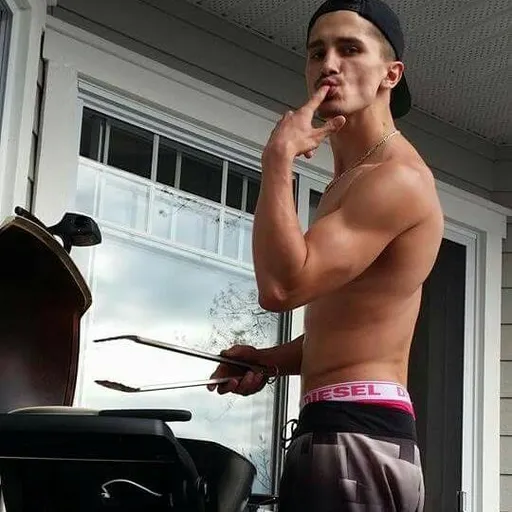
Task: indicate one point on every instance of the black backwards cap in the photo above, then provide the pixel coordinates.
(383, 17)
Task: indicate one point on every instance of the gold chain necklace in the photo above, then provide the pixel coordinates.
(361, 160)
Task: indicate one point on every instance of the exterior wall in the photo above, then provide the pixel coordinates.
(187, 39)
(503, 194)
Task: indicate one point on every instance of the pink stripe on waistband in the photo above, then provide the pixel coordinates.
(394, 404)
(386, 394)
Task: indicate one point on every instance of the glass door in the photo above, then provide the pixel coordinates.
(442, 359)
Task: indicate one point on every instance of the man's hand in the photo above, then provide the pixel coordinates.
(294, 134)
(241, 383)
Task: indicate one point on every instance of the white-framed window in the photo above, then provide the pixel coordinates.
(175, 264)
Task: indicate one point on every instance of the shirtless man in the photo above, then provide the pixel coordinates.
(359, 270)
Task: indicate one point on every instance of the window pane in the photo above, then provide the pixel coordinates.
(93, 129)
(232, 236)
(253, 190)
(162, 215)
(247, 241)
(234, 191)
(186, 221)
(166, 171)
(124, 203)
(86, 181)
(197, 225)
(130, 148)
(314, 201)
(201, 174)
(237, 175)
(164, 294)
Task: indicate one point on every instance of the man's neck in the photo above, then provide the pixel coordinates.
(358, 136)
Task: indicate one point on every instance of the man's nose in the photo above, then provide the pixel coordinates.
(331, 64)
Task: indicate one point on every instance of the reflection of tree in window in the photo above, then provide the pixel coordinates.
(237, 318)
(262, 460)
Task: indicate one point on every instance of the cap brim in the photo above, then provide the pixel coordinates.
(400, 99)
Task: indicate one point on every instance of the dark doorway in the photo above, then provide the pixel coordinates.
(436, 377)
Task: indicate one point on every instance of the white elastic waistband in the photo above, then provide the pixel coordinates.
(374, 391)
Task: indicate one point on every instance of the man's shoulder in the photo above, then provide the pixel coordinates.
(397, 193)
(396, 178)
(401, 172)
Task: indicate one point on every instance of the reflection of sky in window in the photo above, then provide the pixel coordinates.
(167, 295)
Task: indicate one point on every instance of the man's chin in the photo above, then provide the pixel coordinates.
(326, 112)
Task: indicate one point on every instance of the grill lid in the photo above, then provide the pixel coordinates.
(42, 299)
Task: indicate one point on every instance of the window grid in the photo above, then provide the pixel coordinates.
(177, 179)
(180, 199)
(222, 216)
(106, 142)
(101, 142)
(104, 137)
(154, 159)
(245, 188)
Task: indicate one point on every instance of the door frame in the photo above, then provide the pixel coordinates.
(473, 478)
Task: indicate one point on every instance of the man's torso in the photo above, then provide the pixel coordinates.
(363, 331)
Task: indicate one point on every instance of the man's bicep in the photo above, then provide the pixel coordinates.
(346, 242)
(341, 248)
(343, 244)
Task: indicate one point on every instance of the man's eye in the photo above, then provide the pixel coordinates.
(350, 50)
(318, 55)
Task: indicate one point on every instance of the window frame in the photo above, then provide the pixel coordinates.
(205, 144)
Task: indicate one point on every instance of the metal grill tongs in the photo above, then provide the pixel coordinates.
(181, 350)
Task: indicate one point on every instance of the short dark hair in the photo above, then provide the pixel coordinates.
(387, 51)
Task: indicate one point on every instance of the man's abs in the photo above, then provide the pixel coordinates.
(364, 330)
(348, 338)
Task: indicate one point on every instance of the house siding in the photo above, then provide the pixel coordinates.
(503, 194)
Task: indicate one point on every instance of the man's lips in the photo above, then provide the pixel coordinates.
(328, 81)
(332, 84)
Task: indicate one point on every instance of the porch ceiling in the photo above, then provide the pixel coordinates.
(458, 57)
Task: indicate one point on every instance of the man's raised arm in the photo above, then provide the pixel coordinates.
(294, 269)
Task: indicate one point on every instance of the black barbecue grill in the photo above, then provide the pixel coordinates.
(55, 457)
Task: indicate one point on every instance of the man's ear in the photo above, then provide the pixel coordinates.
(394, 75)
